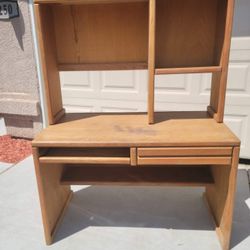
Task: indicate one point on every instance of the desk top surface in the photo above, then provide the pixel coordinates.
(125, 130)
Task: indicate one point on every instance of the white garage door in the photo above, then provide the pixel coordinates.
(122, 91)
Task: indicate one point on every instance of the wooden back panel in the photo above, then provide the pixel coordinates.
(186, 33)
(101, 33)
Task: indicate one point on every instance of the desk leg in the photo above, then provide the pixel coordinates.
(54, 197)
(220, 198)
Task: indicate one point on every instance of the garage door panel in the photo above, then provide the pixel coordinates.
(238, 78)
(110, 85)
(96, 105)
(238, 120)
(82, 80)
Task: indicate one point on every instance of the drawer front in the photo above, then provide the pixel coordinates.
(184, 156)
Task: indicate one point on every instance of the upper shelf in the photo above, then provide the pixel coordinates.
(207, 69)
(102, 66)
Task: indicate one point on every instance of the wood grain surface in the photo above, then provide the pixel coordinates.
(125, 130)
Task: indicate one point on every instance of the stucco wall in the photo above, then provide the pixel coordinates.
(19, 92)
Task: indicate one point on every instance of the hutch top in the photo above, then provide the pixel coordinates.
(163, 36)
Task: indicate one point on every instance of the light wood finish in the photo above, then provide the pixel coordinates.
(207, 69)
(53, 197)
(195, 160)
(84, 160)
(86, 156)
(181, 176)
(86, 1)
(170, 35)
(185, 33)
(180, 148)
(187, 151)
(220, 198)
(103, 66)
(60, 217)
(59, 115)
(128, 130)
(210, 111)
(219, 79)
(151, 60)
(133, 156)
(46, 39)
(101, 33)
(220, 30)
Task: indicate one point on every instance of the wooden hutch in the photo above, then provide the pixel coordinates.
(153, 148)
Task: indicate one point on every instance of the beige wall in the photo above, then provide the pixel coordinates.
(19, 91)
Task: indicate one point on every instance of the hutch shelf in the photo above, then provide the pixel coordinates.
(153, 148)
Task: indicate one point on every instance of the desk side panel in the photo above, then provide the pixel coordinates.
(51, 80)
(53, 196)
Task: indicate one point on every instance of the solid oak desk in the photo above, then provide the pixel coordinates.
(181, 148)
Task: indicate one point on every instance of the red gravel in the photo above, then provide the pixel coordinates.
(13, 150)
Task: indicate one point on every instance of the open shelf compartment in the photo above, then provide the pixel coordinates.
(85, 155)
(100, 36)
(189, 34)
(127, 175)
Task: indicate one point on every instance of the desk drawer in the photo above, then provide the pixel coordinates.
(184, 156)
